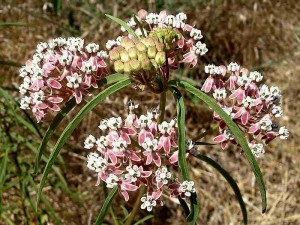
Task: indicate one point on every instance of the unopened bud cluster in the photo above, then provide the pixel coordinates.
(137, 57)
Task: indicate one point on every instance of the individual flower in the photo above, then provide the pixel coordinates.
(60, 69)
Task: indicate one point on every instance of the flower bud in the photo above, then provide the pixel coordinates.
(127, 67)
(141, 56)
(124, 56)
(114, 54)
(160, 58)
(146, 64)
(127, 43)
(119, 66)
(135, 65)
(148, 41)
(160, 47)
(154, 64)
(132, 52)
(141, 47)
(152, 52)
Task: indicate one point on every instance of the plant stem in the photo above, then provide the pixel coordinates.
(116, 222)
(136, 206)
(162, 106)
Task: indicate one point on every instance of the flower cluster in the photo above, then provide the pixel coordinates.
(137, 151)
(252, 106)
(58, 70)
(181, 40)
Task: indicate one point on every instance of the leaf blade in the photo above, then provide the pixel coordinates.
(234, 129)
(231, 182)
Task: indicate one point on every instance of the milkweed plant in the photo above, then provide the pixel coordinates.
(144, 152)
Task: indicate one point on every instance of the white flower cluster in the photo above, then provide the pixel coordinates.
(133, 173)
(112, 123)
(269, 94)
(200, 48)
(220, 94)
(213, 70)
(233, 66)
(74, 80)
(112, 181)
(266, 123)
(166, 127)
(150, 145)
(95, 162)
(257, 149)
(283, 133)
(148, 202)
(187, 187)
(163, 175)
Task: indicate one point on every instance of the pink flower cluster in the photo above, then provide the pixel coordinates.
(137, 151)
(252, 106)
(60, 69)
(186, 50)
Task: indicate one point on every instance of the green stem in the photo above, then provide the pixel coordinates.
(162, 106)
(136, 206)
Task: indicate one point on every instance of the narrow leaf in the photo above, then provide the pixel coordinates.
(140, 26)
(2, 174)
(106, 205)
(73, 124)
(123, 24)
(62, 114)
(192, 217)
(141, 221)
(230, 180)
(239, 136)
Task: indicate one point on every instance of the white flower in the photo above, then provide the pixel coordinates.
(150, 145)
(165, 127)
(275, 92)
(187, 187)
(23, 88)
(257, 149)
(41, 47)
(148, 202)
(153, 114)
(256, 76)
(277, 111)
(152, 18)
(133, 173)
(190, 146)
(37, 58)
(244, 81)
(96, 162)
(139, 32)
(200, 48)
(181, 16)
(233, 66)
(65, 58)
(102, 54)
(219, 94)
(23, 72)
(196, 34)
(144, 121)
(210, 69)
(103, 124)
(162, 175)
(74, 44)
(283, 133)
(74, 80)
(178, 24)
(25, 102)
(101, 143)
(92, 48)
(169, 19)
(112, 181)
(266, 123)
(131, 105)
(114, 123)
(228, 134)
(38, 97)
(248, 102)
(89, 142)
(110, 43)
(119, 145)
(88, 67)
(264, 92)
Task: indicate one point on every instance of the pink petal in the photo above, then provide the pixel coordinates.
(167, 144)
(220, 138)
(78, 96)
(54, 107)
(174, 158)
(125, 195)
(55, 99)
(156, 159)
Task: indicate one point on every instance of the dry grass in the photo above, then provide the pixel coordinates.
(257, 34)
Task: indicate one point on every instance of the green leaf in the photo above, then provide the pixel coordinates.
(141, 221)
(192, 217)
(3, 173)
(62, 114)
(73, 124)
(123, 24)
(106, 205)
(239, 136)
(16, 25)
(140, 26)
(230, 180)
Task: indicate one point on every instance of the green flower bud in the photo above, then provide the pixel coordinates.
(124, 56)
(146, 64)
(114, 54)
(141, 47)
(160, 58)
(119, 66)
(166, 35)
(141, 56)
(149, 41)
(135, 65)
(152, 52)
(132, 52)
(160, 47)
(127, 67)
(127, 43)
(154, 64)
